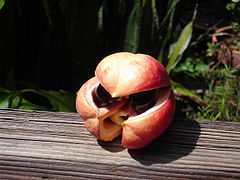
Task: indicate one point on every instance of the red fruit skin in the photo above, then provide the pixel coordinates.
(125, 73)
(139, 132)
(122, 74)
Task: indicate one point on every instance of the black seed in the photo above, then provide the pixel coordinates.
(102, 93)
(124, 117)
(142, 101)
(102, 97)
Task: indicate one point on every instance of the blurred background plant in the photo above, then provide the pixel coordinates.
(50, 48)
(223, 95)
(234, 7)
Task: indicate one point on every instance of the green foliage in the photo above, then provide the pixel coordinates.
(176, 51)
(150, 30)
(234, 8)
(212, 49)
(132, 36)
(193, 67)
(2, 2)
(223, 96)
(133, 26)
(47, 11)
(31, 99)
(178, 48)
(145, 26)
(179, 88)
(235, 44)
(167, 34)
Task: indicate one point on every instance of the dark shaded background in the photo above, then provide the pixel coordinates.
(60, 48)
(48, 55)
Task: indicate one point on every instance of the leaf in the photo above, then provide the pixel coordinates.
(155, 14)
(4, 90)
(170, 9)
(132, 36)
(4, 100)
(63, 100)
(47, 11)
(2, 2)
(179, 88)
(9, 99)
(180, 46)
(201, 67)
(63, 6)
(167, 37)
(193, 67)
(60, 100)
(100, 18)
(15, 99)
(27, 105)
(122, 8)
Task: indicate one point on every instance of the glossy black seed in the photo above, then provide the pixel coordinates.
(142, 101)
(124, 117)
(102, 97)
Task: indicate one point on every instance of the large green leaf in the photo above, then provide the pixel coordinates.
(15, 99)
(60, 100)
(63, 100)
(4, 100)
(2, 2)
(133, 30)
(9, 99)
(180, 89)
(27, 105)
(177, 49)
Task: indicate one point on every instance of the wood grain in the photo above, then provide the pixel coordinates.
(53, 145)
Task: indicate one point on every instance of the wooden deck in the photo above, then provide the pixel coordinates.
(53, 145)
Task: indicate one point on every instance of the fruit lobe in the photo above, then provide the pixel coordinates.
(93, 116)
(125, 73)
(141, 130)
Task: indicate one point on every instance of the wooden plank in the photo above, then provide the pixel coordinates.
(53, 145)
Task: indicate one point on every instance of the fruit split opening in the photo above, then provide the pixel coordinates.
(136, 103)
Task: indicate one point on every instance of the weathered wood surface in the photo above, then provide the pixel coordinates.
(48, 145)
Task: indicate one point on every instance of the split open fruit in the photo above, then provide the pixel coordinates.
(129, 95)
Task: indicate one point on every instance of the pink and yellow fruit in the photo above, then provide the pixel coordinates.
(129, 95)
